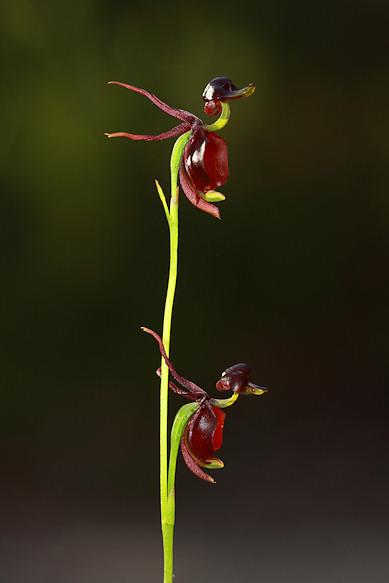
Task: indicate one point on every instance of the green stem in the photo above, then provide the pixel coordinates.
(167, 491)
(167, 506)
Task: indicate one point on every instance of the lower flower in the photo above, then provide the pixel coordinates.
(202, 435)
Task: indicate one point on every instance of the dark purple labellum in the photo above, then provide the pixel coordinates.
(237, 378)
(222, 89)
(234, 378)
(219, 88)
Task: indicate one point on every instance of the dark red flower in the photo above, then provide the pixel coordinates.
(203, 434)
(204, 166)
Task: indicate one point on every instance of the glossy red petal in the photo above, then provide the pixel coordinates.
(178, 113)
(206, 160)
(217, 439)
(201, 431)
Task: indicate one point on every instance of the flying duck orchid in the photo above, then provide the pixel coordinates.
(202, 434)
(204, 164)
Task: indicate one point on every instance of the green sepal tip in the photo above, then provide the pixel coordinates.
(215, 464)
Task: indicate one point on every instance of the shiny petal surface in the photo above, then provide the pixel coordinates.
(206, 160)
(217, 439)
(204, 433)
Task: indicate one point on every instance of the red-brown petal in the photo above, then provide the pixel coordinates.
(192, 464)
(174, 132)
(217, 439)
(194, 389)
(193, 196)
(206, 160)
(204, 434)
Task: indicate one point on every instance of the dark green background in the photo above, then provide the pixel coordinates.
(292, 280)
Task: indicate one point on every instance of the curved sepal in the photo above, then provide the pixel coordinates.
(193, 466)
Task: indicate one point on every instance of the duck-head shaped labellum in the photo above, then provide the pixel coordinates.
(223, 89)
(237, 378)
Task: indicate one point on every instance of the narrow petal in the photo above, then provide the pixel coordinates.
(194, 389)
(178, 113)
(174, 132)
(193, 196)
(176, 389)
(192, 465)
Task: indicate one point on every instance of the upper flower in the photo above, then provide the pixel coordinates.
(204, 165)
(203, 433)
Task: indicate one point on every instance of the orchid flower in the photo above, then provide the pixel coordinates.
(202, 435)
(204, 165)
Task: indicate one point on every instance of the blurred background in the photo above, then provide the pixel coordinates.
(293, 280)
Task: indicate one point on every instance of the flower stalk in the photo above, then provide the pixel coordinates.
(167, 498)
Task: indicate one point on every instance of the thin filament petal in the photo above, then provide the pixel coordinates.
(173, 133)
(178, 113)
(194, 389)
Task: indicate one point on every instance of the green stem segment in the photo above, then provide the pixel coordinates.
(167, 480)
(167, 498)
